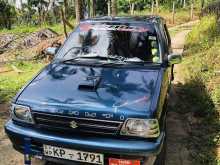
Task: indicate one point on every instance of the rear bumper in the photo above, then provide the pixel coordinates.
(97, 144)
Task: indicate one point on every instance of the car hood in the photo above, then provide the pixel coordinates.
(118, 92)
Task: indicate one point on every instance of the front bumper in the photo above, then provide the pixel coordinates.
(105, 145)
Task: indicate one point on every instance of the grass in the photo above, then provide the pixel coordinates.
(181, 15)
(11, 82)
(201, 91)
(23, 29)
(204, 35)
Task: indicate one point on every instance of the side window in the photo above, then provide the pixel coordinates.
(167, 34)
(165, 38)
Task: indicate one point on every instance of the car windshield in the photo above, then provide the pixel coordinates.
(105, 41)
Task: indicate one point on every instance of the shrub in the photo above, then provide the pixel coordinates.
(203, 35)
(202, 67)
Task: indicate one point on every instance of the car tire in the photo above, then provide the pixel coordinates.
(161, 159)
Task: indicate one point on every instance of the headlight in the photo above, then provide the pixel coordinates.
(148, 128)
(21, 113)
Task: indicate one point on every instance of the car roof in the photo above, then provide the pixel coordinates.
(134, 19)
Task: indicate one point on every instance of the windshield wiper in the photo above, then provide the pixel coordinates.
(79, 49)
(113, 60)
(89, 56)
(135, 61)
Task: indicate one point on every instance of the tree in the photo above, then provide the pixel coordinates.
(132, 4)
(109, 7)
(7, 12)
(79, 10)
(101, 7)
(114, 8)
(157, 5)
(27, 14)
(202, 4)
(65, 6)
(42, 6)
(93, 8)
(184, 3)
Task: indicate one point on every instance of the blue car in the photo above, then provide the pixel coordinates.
(102, 100)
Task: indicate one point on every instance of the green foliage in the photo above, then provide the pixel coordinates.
(7, 13)
(124, 5)
(27, 15)
(24, 29)
(11, 82)
(36, 12)
(216, 95)
(37, 3)
(203, 49)
(201, 66)
(203, 35)
(101, 7)
(212, 8)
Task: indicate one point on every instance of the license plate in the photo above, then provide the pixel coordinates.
(74, 155)
(113, 161)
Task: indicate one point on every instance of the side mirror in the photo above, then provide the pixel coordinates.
(51, 50)
(174, 59)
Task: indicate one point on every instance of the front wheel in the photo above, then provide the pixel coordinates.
(161, 159)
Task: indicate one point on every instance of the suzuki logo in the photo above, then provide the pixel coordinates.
(73, 124)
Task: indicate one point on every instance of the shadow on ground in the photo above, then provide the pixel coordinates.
(198, 136)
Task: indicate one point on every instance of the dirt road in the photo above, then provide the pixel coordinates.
(177, 152)
(177, 126)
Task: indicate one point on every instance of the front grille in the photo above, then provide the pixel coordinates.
(63, 123)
